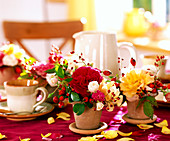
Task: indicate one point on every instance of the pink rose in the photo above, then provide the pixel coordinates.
(82, 77)
(41, 68)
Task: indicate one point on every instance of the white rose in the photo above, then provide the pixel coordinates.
(51, 79)
(99, 106)
(10, 60)
(93, 86)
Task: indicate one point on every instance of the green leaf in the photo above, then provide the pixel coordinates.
(60, 72)
(140, 101)
(79, 108)
(90, 105)
(68, 79)
(152, 100)
(75, 96)
(50, 70)
(50, 95)
(148, 109)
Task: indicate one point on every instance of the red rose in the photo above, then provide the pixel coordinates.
(81, 78)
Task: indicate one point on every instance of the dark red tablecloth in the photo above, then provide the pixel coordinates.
(33, 129)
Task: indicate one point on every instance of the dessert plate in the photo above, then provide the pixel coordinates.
(73, 128)
(45, 109)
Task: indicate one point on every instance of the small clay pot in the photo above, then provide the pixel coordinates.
(89, 119)
(135, 113)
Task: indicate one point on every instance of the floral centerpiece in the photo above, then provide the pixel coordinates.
(140, 88)
(10, 61)
(76, 80)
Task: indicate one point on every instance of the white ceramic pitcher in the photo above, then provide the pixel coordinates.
(101, 48)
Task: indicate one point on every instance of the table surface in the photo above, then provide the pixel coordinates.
(34, 128)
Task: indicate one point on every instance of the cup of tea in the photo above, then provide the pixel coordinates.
(22, 95)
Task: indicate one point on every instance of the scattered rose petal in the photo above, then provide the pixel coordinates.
(125, 139)
(2, 136)
(98, 136)
(46, 136)
(87, 139)
(138, 133)
(26, 139)
(111, 134)
(165, 130)
(124, 134)
(64, 116)
(50, 120)
(161, 124)
(153, 137)
(56, 136)
(144, 126)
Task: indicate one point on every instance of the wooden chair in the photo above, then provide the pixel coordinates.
(18, 31)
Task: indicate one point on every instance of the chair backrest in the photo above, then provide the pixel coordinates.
(17, 31)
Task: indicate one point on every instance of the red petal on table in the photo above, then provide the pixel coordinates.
(138, 133)
(56, 135)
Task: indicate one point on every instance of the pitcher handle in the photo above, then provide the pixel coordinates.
(44, 95)
(129, 46)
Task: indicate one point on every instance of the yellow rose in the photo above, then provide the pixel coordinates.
(134, 80)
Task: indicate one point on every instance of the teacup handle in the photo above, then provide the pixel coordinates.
(129, 46)
(44, 95)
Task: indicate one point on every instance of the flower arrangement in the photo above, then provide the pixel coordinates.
(76, 80)
(143, 85)
(11, 56)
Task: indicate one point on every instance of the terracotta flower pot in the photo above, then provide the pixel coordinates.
(135, 113)
(90, 119)
(7, 73)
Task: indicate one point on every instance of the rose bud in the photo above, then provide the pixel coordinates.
(133, 62)
(107, 72)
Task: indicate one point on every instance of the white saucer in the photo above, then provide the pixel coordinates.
(102, 127)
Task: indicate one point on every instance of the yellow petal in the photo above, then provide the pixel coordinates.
(98, 136)
(87, 139)
(165, 130)
(2, 136)
(125, 139)
(46, 136)
(111, 134)
(124, 134)
(161, 124)
(50, 120)
(26, 139)
(144, 126)
(64, 116)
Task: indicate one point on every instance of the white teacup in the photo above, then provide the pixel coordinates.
(22, 95)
